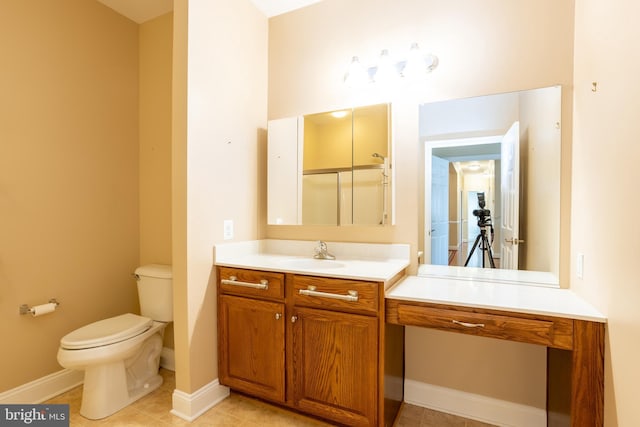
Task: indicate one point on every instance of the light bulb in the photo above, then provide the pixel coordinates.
(356, 75)
(415, 68)
(386, 72)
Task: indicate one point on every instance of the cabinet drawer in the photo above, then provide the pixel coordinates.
(264, 284)
(551, 332)
(340, 294)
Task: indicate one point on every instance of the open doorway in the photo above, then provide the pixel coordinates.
(472, 167)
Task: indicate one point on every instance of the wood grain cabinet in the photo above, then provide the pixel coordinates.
(316, 344)
(251, 334)
(575, 350)
(335, 349)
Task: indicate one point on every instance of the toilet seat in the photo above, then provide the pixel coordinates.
(105, 332)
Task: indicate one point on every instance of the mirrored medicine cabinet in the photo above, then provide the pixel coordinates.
(331, 168)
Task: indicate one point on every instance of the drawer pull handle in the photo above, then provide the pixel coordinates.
(468, 325)
(233, 280)
(311, 292)
(278, 316)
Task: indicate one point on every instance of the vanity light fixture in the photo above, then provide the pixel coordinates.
(418, 65)
(414, 68)
(387, 71)
(356, 75)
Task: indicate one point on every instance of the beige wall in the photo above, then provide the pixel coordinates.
(154, 112)
(220, 49)
(156, 40)
(68, 174)
(540, 159)
(606, 177)
(484, 47)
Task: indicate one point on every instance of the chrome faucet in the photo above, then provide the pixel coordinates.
(321, 251)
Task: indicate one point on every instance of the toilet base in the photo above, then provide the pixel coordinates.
(101, 402)
(110, 387)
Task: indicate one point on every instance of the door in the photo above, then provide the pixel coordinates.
(510, 197)
(439, 211)
(251, 335)
(335, 365)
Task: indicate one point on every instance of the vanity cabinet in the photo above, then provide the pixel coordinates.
(335, 349)
(572, 331)
(251, 332)
(311, 343)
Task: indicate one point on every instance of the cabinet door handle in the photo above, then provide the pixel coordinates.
(468, 325)
(233, 280)
(293, 319)
(311, 291)
(278, 316)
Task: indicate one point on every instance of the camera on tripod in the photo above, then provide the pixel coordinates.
(484, 215)
(482, 240)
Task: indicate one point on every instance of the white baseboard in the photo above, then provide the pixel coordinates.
(44, 388)
(191, 406)
(481, 408)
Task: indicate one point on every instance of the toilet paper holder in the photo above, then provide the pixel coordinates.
(25, 309)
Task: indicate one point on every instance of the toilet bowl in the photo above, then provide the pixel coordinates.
(121, 355)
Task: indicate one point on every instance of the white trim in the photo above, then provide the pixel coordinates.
(44, 388)
(191, 406)
(486, 409)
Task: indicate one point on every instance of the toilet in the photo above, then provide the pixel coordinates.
(121, 355)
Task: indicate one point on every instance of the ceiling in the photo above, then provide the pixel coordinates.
(144, 10)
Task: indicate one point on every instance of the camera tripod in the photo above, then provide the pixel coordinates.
(485, 245)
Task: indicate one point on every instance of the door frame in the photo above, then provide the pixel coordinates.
(429, 144)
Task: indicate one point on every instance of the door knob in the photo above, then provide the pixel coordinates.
(293, 319)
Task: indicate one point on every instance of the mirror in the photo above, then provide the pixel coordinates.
(330, 168)
(492, 186)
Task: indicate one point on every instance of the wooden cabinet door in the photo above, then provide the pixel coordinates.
(251, 339)
(335, 365)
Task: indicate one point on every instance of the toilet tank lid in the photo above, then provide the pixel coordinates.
(107, 331)
(159, 271)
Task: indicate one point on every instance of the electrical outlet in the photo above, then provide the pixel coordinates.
(228, 229)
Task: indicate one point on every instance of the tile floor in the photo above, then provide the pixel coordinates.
(237, 411)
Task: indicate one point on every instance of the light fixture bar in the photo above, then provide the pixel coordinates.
(387, 71)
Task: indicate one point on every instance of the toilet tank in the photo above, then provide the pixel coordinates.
(155, 291)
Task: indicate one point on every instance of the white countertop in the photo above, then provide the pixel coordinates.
(360, 261)
(496, 296)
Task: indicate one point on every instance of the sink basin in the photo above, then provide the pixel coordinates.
(311, 264)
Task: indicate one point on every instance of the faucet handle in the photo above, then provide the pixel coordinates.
(320, 250)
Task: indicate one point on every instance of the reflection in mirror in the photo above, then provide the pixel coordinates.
(331, 168)
(492, 185)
